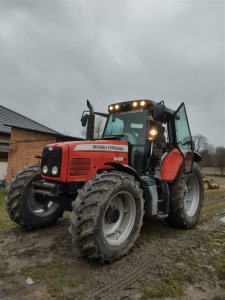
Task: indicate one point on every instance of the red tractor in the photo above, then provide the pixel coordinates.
(145, 163)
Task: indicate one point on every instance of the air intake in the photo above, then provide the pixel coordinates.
(79, 166)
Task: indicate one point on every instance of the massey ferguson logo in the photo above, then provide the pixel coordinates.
(108, 147)
(101, 147)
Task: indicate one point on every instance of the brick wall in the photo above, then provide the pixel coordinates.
(25, 146)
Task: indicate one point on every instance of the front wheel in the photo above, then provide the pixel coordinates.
(186, 199)
(107, 216)
(24, 207)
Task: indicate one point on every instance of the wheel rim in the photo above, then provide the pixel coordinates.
(119, 218)
(192, 195)
(41, 208)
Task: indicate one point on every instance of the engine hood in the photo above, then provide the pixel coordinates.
(81, 160)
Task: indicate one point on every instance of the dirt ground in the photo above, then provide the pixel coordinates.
(166, 263)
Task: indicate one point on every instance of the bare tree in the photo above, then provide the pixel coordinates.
(208, 156)
(220, 158)
(99, 127)
(200, 142)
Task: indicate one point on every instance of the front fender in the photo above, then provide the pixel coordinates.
(126, 169)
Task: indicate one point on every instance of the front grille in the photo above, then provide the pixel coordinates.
(52, 157)
(79, 166)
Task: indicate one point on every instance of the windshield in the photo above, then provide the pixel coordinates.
(128, 125)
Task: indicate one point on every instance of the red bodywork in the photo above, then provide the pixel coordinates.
(171, 165)
(83, 159)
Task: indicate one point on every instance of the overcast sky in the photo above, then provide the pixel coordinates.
(56, 54)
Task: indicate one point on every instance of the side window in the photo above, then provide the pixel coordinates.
(116, 126)
(183, 134)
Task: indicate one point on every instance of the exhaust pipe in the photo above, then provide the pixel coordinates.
(91, 122)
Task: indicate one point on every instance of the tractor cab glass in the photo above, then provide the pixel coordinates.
(183, 137)
(130, 126)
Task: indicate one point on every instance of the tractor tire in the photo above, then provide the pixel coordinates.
(186, 199)
(107, 216)
(25, 209)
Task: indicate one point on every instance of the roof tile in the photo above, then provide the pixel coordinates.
(9, 118)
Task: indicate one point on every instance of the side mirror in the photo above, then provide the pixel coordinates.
(158, 112)
(84, 120)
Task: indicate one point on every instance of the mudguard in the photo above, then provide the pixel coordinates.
(125, 168)
(171, 165)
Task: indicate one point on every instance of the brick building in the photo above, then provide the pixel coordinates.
(21, 140)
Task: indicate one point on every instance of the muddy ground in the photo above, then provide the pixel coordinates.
(166, 263)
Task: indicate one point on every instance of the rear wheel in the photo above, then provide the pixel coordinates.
(24, 207)
(107, 216)
(186, 199)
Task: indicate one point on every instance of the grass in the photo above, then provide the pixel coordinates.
(3, 266)
(210, 209)
(216, 247)
(5, 222)
(56, 277)
(170, 288)
(172, 283)
(215, 194)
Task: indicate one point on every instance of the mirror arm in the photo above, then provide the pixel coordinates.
(101, 114)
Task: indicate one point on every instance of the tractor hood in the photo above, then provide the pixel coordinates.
(81, 160)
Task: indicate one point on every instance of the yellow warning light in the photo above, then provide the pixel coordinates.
(143, 103)
(134, 104)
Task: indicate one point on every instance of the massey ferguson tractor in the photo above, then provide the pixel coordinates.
(144, 163)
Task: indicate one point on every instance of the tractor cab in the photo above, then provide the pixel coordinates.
(129, 121)
(148, 126)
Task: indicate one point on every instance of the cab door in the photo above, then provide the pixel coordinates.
(183, 139)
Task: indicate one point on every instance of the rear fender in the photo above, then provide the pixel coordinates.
(171, 165)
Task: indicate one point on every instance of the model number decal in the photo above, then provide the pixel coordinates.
(118, 158)
(101, 147)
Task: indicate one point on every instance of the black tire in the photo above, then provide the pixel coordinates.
(181, 215)
(19, 197)
(91, 211)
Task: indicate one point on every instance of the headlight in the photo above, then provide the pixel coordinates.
(55, 170)
(45, 169)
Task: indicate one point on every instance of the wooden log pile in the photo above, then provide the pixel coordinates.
(210, 184)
